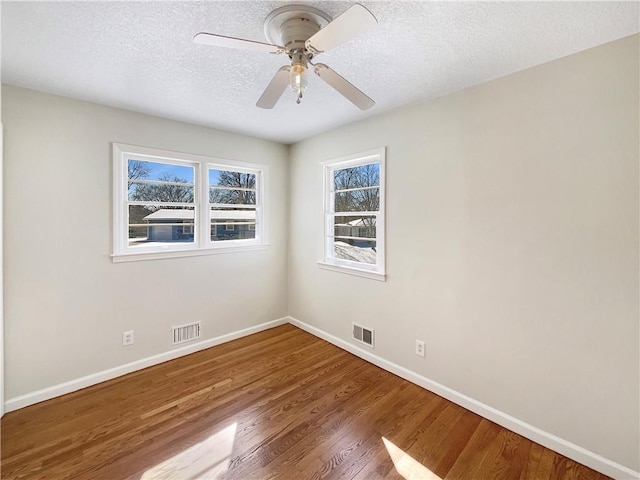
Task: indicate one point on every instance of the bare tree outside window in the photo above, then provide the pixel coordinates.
(363, 200)
(363, 184)
(234, 193)
(137, 169)
(169, 188)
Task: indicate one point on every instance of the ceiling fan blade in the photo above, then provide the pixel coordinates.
(352, 22)
(232, 42)
(275, 89)
(344, 87)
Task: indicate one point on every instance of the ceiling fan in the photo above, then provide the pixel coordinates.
(302, 32)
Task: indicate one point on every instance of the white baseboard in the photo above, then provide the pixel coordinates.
(568, 449)
(557, 444)
(21, 401)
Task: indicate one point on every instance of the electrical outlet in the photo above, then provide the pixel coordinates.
(420, 348)
(127, 338)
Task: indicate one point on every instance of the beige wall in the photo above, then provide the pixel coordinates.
(512, 245)
(66, 303)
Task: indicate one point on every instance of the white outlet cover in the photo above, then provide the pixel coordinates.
(127, 338)
(420, 348)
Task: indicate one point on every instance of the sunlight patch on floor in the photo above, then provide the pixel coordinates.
(208, 459)
(408, 467)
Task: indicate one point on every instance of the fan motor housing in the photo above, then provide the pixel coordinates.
(291, 26)
(296, 31)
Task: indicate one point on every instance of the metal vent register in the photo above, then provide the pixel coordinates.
(185, 333)
(363, 334)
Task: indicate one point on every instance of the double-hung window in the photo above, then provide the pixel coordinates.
(354, 214)
(233, 203)
(176, 204)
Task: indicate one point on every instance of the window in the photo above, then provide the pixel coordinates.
(232, 201)
(354, 214)
(187, 228)
(175, 204)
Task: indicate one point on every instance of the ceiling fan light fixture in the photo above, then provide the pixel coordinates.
(302, 32)
(298, 74)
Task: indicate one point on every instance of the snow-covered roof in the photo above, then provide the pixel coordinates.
(357, 254)
(166, 214)
(358, 222)
(183, 214)
(233, 214)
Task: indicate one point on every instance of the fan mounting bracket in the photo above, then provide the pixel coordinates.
(292, 25)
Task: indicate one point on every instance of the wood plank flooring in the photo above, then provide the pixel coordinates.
(278, 404)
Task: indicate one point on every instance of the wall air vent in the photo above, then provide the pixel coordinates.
(185, 333)
(363, 334)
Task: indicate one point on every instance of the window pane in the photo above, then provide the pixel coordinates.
(367, 200)
(355, 230)
(159, 182)
(354, 253)
(166, 172)
(227, 178)
(357, 177)
(160, 192)
(232, 188)
(149, 224)
(227, 224)
(231, 196)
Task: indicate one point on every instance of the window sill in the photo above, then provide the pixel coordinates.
(136, 257)
(381, 277)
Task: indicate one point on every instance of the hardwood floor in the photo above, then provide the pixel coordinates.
(278, 404)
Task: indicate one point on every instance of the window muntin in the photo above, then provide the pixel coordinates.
(354, 213)
(170, 203)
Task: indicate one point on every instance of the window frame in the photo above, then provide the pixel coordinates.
(375, 271)
(202, 243)
(259, 205)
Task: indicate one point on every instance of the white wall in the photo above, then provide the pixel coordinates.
(66, 303)
(512, 245)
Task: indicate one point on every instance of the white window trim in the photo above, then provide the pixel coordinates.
(202, 244)
(262, 173)
(328, 262)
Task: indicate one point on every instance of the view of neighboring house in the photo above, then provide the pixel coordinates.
(363, 228)
(176, 225)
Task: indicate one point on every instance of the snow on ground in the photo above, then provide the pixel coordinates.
(357, 254)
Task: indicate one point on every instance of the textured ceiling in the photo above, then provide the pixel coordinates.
(140, 55)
